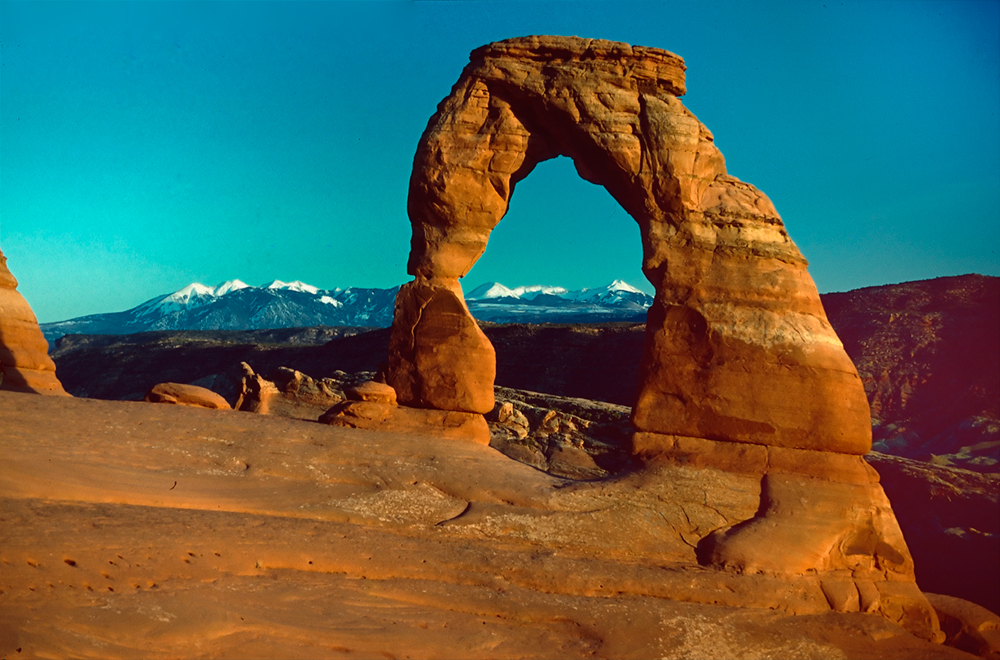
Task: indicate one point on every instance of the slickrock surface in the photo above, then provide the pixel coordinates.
(179, 394)
(738, 347)
(131, 529)
(25, 365)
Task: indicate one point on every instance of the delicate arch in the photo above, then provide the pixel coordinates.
(738, 346)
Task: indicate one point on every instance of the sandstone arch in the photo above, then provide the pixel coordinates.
(738, 347)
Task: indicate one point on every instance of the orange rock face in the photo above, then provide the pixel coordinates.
(25, 365)
(438, 356)
(186, 395)
(738, 346)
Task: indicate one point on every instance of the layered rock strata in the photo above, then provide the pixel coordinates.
(738, 346)
(24, 362)
(819, 513)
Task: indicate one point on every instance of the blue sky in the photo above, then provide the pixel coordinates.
(144, 146)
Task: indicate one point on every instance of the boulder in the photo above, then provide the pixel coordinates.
(737, 348)
(25, 365)
(186, 395)
(371, 390)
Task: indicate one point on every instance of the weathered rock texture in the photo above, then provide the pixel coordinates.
(372, 405)
(968, 626)
(288, 393)
(256, 535)
(438, 356)
(24, 362)
(738, 346)
(179, 394)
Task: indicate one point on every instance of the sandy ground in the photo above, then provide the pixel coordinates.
(133, 529)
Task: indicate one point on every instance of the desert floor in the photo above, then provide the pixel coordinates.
(134, 529)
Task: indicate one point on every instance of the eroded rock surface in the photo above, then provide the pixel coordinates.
(24, 362)
(133, 527)
(288, 393)
(372, 405)
(180, 394)
(438, 356)
(738, 346)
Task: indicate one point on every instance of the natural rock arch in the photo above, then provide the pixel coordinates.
(738, 347)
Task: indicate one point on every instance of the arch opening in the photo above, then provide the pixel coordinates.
(560, 230)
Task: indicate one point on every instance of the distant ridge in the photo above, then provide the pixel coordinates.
(235, 305)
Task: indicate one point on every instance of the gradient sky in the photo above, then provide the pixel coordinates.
(144, 146)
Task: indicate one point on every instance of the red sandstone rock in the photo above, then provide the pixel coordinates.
(25, 365)
(738, 346)
(376, 415)
(290, 393)
(819, 513)
(968, 626)
(438, 356)
(371, 391)
(186, 395)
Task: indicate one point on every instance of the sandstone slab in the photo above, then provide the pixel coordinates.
(137, 530)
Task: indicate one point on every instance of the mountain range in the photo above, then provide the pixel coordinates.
(234, 305)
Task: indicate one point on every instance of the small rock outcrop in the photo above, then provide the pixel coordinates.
(25, 365)
(738, 347)
(288, 393)
(186, 395)
(372, 405)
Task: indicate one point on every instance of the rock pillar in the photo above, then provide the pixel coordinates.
(25, 365)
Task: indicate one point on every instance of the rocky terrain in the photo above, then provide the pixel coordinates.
(586, 365)
(734, 497)
(927, 352)
(929, 355)
(136, 529)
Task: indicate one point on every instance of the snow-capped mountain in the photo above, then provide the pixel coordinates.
(617, 301)
(235, 305)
